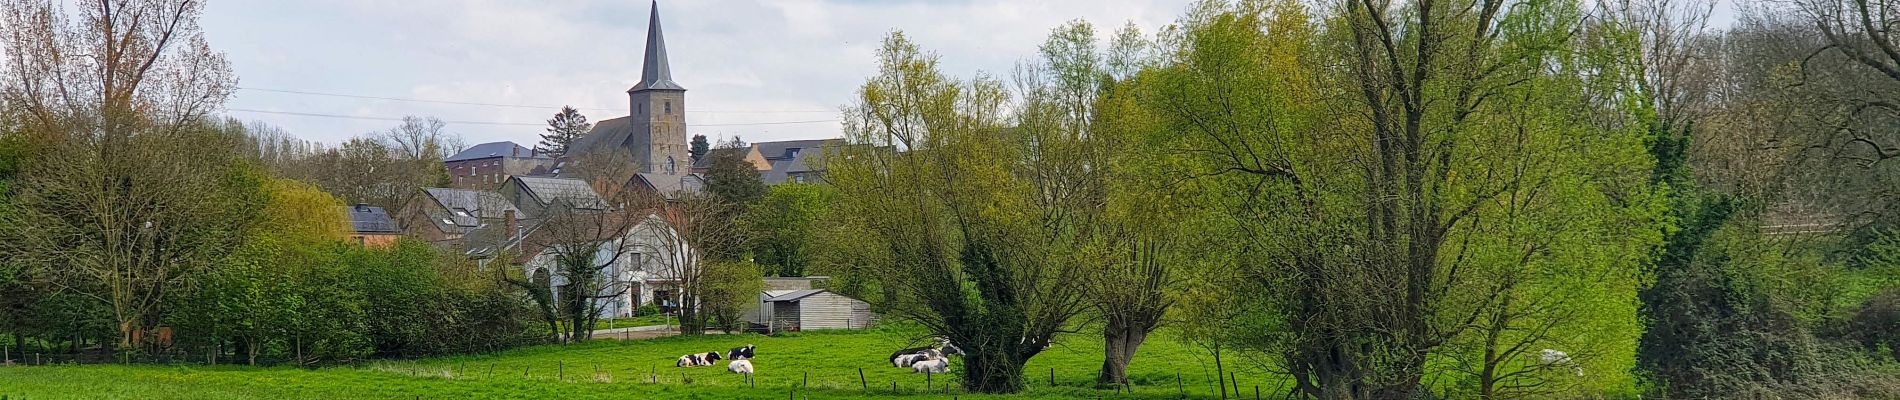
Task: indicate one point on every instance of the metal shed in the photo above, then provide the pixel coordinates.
(817, 309)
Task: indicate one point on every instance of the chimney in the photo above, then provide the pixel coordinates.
(508, 219)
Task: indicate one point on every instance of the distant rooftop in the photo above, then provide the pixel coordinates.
(368, 219)
(493, 149)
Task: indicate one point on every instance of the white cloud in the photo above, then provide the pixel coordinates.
(732, 55)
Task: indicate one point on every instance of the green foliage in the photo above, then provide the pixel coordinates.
(699, 147)
(732, 179)
(727, 289)
(783, 225)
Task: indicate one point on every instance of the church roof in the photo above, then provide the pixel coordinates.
(656, 74)
(610, 132)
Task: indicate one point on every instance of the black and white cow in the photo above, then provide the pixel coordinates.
(902, 359)
(741, 353)
(697, 359)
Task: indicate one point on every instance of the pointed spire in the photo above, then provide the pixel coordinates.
(656, 75)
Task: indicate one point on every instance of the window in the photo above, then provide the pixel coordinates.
(669, 108)
(669, 165)
(637, 261)
(643, 109)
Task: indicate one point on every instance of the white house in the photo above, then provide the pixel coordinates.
(640, 266)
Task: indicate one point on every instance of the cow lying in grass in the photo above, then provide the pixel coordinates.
(741, 353)
(904, 358)
(930, 366)
(740, 366)
(697, 360)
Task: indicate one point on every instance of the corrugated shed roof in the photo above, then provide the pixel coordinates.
(493, 149)
(795, 295)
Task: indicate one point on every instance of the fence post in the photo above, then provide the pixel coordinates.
(1052, 377)
(1235, 380)
(893, 387)
(807, 382)
(1179, 389)
(927, 384)
(491, 370)
(524, 372)
(1256, 392)
(861, 382)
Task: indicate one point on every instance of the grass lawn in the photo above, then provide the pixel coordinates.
(637, 321)
(628, 368)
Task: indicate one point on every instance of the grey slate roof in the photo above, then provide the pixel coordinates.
(656, 75)
(468, 207)
(573, 191)
(673, 185)
(792, 157)
(609, 132)
(494, 149)
(369, 219)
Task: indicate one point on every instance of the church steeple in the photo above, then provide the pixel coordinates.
(656, 74)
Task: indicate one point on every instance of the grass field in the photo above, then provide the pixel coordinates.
(629, 369)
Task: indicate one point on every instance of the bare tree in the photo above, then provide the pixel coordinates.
(697, 232)
(132, 196)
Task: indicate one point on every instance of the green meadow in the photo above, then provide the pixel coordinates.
(806, 365)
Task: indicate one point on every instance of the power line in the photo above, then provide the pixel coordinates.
(304, 114)
(538, 107)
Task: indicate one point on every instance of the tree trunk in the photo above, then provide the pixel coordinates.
(1120, 343)
(990, 372)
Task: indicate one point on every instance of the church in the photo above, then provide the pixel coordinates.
(652, 137)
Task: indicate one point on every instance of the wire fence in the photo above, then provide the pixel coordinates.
(795, 382)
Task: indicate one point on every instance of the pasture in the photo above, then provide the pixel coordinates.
(817, 365)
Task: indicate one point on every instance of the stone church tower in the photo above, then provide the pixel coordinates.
(657, 111)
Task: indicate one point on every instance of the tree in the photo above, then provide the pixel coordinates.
(726, 289)
(699, 148)
(976, 251)
(731, 178)
(697, 234)
(566, 127)
(1380, 173)
(121, 95)
(783, 224)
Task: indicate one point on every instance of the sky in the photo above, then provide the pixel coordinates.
(762, 70)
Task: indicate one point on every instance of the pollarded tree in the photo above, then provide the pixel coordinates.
(1378, 168)
(979, 250)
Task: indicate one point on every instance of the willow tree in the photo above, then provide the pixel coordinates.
(1403, 172)
(980, 248)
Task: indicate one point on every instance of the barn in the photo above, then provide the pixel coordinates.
(812, 309)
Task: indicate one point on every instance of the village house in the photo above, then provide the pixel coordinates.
(371, 226)
(789, 161)
(487, 165)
